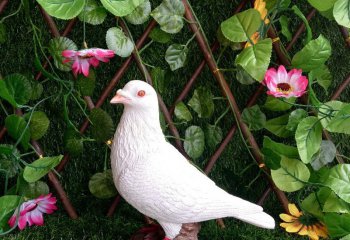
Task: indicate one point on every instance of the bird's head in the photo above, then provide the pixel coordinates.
(137, 95)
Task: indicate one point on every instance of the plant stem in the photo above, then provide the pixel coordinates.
(146, 46)
(3, 108)
(12, 14)
(221, 116)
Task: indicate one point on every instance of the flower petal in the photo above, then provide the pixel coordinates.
(287, 217)
(69, 53)
(85, 65)
(282, 75)
(22, 222)
(94, 61)
(294, 210)
(36, 217)
(292, 227)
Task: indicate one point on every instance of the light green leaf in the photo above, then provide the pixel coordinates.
(313, 55)
(202, 102)
(3, 33)
(328, 110)
(341, 121)
(34, 189)
(306, 22)
(182, 113)
(337, 224)
(121, 8)
(347, 237)
(8, 204)
(335, 204)
(256, 59)
(280, 148)
(39, 168)
(102, 128)
(276, 104)
(341, 12)
(254, 118)
(227, 43)
(93, 13)
(194, 141)
(158, 35)
(278, 126)
(325, 155)
(38, 125)
(213, 135)
(308, 137)
(284, 21)
(295, 118)
(16, 127)
(118, 42)
(243, 77)
(101, 185)
(339, 181)
(322, 75)
(86, 85)
(63, 9)
(323, 5)
(56, 47)
(241, 26)
(169, 15)
(19, 87)
(140, 14)
(313, 205)
(176, 56)
(291, 176)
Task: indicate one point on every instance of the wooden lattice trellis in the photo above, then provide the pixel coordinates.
(168, 113)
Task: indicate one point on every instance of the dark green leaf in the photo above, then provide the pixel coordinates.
(283, 4)
(278, 126)
(338, 225)
(9, 160)
(276, 104)
(213, 135)
(271, 159)
(241, 26)
(34, 189)
(244, 77)
(280, 148)
(140, 14)
(101, 185)
(56, 47)
(16, 127)
(336, 204)
(295, 118)
(256, 59)
(202, 102)
(182, 113)
(313, 205)
(86, 85)
(325, 155)
(284, 21)
(40, 167)
(102, 128)
(3, 33)
(73, 143)
(313, 55)
(93, 13)
(158, 77)
(19, 87)
(339, 181)
(5, 94)
(121, 8)
(37, 89)
(341, 12)
(194, 141)
(63, 9)
(322, 75)
(39, 124)
(8, 204)
(227, 43)
(169, 15)
(306, 22)
(254, 118)
(176, 56)
(158, 35)
(118, 42)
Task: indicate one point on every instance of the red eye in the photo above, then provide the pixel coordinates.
(141, 93)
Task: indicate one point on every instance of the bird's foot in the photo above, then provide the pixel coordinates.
(149, 232)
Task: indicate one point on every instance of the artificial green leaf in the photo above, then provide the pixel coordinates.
(338, 225)
(3, 33)
(93, 13)
(306, 22)
(37, 89)
(335, 204)
(158, 77)
(256, 59)
(169, 15)
(313, 204)
(341, 12)
(339, 181)
(295, 118)
(347, 237)
(118, 42)
(241, 26)
(182, 113)
(5, 94)
(158, 35)
(34, 189)
(227, 43)
(176, 56)
(322, 75)
(140, 14)
(40, 167)
(63, 9)
(322, 5)
(19, 87)
(271, 159)
(73, 143)
(280, 148)
(102, 128)
(194, 141)
(16, 127)
(325, 155)
(38, 125)
(213, 135)
(254, 118)
(9, 160)
(86, 85)
(283, 4)
(328, 110)
(101, 185)
(291, 176)
(313, 55)
(308, 137)
(277, 104)
(121, 8)
(56, 47)
(202, 102)
(8, 204)
(284, 21)
(243, 77)
(341, 121)
(278, 126)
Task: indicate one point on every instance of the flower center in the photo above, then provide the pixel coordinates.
(284, 87)
(308, 220)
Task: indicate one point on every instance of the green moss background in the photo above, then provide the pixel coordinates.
(233, 171)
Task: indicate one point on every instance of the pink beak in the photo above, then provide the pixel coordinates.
(120, 97)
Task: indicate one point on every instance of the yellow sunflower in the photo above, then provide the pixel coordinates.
(260, 6)
(303, 224)
(254, 38)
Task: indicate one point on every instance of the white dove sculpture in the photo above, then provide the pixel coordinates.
(157, 180)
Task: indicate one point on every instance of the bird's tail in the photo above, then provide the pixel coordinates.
(259, 219)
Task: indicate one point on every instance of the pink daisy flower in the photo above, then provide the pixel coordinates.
(285, 84)
(32, 211)
(82, 59)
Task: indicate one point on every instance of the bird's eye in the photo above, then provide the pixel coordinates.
(141, 93)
